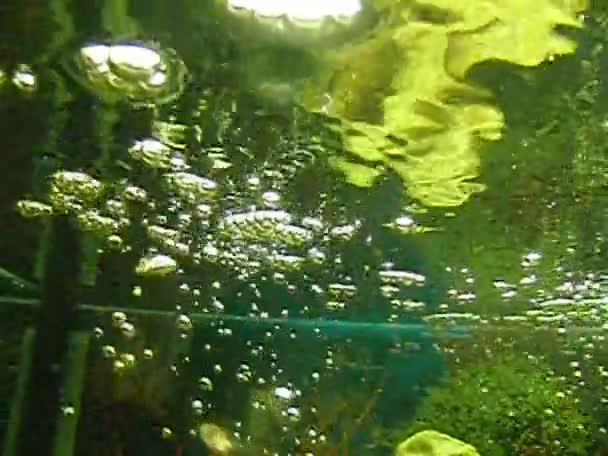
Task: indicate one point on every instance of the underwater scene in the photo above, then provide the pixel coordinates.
(304, 228)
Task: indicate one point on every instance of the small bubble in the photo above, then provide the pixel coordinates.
(128, 360)
(127, 329)
(118, 318)
(205, 384)
(24, 78)
(197, 406)
(244, 373)
(271, 198)
(184, 323)
(135, 194)
(253, 181)
(531, 259)
(108, 351)
(225, 332)
(115, 242)
(283, 392)
(156, 266)
(166, 433)
(293, 413)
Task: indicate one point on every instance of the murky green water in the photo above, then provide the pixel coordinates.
(233, 227)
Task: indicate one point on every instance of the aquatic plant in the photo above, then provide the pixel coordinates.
(424, 119)
(509, 405)
(328, 421)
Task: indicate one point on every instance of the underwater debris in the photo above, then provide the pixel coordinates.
(215, 438)
(433, 443)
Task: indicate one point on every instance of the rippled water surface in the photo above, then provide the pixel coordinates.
(240, 227)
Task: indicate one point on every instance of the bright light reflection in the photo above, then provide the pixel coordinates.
(306, 10)
(134, 56)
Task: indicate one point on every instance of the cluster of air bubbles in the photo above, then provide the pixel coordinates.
(547, 294)
(119, 345)
(144, 74)
(155, 154)
(249, 239)
(190, 186)
(200, 219)
(156, 265)
(78, 195)
(197, 223)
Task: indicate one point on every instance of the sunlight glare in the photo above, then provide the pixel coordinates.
(306, 10)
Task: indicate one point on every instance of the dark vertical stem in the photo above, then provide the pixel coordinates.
(56, 318)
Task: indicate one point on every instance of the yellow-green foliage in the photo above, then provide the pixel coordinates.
(433, 443)
(402, 96)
